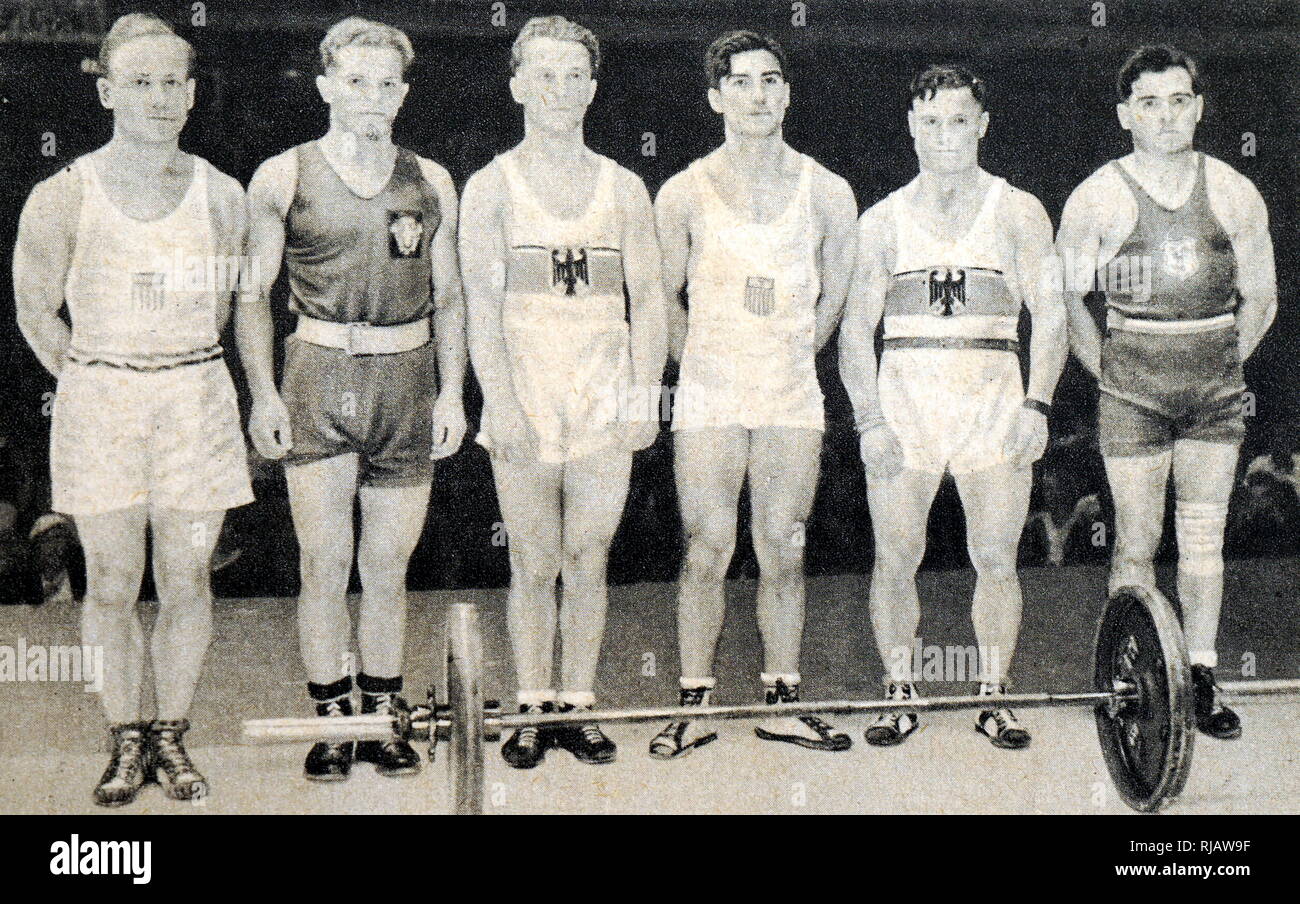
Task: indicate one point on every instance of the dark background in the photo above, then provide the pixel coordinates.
(1051, 74)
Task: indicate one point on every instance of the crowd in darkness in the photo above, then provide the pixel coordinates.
(847, 111)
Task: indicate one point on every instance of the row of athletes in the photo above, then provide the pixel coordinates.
(767, 248)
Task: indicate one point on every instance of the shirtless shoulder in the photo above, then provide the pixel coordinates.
(1233, 197)
(275, 181)
(1099, 202)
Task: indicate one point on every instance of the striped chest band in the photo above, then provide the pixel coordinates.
(950, 292)
(565, 270)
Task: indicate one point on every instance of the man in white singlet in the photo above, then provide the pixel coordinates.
(552, 234)
(1179, 241)
(142, 242)
(761, 238)
(947, 261)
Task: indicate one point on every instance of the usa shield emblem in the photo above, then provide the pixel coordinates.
(147, 291)
(947, 291)
(1178, 257)
(760, 295)
(405, 229)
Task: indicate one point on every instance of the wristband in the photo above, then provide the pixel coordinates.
(1037, 405)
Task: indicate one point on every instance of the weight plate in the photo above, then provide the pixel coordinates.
(1147, 743)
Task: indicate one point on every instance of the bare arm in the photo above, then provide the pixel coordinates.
(449, 297)
(254, 333)
(643, 274)
(483, 269)
(269, 195)
(1036, 267)
(839, 253)
(862, 312)
(1256, 274)
(42, 256)
(229, 212)
(1078, 249)
(673, 224)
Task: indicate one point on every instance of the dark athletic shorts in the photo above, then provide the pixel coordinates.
(378, 406)
(1158, 388)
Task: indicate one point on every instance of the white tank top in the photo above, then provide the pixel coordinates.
(753, 278)
(144, 291)
(971, 270)
(563, 269)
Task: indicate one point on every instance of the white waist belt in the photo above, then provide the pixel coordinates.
(364, 338)
(1117, 321)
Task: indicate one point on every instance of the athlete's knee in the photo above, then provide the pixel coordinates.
(586, 555)
(779, 548)
(995, 561)
(1200, 528)
(899, 558)
(378, 571)
(113, 584)
(533, 566)
(325, 568)
(709, 548)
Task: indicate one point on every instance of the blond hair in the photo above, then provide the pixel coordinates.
(138, 25)
(359, 32)
(559, 28)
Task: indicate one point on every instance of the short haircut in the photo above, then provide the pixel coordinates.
(1154, 58)
(717, 59)
(138, 25)
(560, 29)
(355, 31)
(946, 76)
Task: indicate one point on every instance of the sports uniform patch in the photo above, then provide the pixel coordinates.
(760, 295)
(947, 291)
(569, 272)
(405, 230)
(1178, 257)
(147, 291)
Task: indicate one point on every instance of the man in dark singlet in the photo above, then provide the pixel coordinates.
(1180, 243)
(368, 399)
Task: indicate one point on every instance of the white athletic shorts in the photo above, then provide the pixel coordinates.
(951, 408)
(169, 438)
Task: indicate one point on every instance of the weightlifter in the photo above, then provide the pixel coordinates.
(947, 261)
(145, 439)
(761, 238)
(371, 392)
(1180, 242)
(552, 234)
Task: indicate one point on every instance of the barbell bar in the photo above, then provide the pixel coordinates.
(1142, 701)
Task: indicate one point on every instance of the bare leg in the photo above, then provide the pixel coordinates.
(321, 496)
(1204, 473)
(710, 470)
(392, 519)
(996, 501)
(900, 508)
(182, 556)
(595, 489)
(114, 546)
(529, 495)
(1137, 484)
(783, 469)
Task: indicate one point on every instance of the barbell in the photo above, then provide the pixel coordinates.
(1142, 701)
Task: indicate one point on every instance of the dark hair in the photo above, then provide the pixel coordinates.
(717, 59)
(1154, 58)
(940, 77)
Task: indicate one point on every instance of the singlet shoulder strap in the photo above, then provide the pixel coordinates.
(1140, 194)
